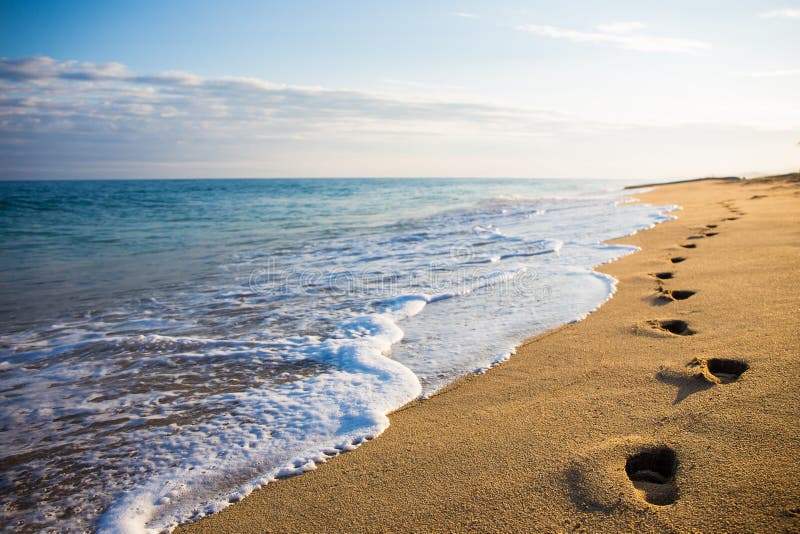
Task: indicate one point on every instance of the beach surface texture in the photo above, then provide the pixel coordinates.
(675, 407)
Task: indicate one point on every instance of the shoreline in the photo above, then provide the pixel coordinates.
(542, 440)
(687, 181)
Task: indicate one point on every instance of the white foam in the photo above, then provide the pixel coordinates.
(406, 306)
(336, 410)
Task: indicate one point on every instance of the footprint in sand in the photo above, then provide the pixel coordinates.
(677, 259)
(711, 234)
(695, 237)
(721, 370)
(652, 472)
(678, 294)
(673, 326)
(665, 296)
(689, 245)
(711, 226)
(597, 482)
(664, 276)
(735, 210)
(712, 372)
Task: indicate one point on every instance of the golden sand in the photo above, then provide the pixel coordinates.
(675, 407)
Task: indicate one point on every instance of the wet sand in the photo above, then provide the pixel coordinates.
(675, 407)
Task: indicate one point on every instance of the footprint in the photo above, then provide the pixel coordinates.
(677, 259)
(711, 234)
(721, 370)
(652, 472)
(756, 197)
(664, 276)
(678, 294)
(711, 226)
(689, 245)
(695, 237)
(665, 296)
(674, 326)
(712, 372)
(732, 219)
(597, 481)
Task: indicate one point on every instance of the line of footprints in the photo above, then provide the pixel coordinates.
(652, 470)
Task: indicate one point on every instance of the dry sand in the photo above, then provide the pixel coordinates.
(541, 442)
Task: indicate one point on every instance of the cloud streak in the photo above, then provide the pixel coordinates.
(42, 87)
(785, 13)
(622, 35)
(60, 110)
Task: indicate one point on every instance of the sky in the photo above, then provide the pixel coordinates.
(639, 89)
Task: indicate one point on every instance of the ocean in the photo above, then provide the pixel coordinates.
(167, 346)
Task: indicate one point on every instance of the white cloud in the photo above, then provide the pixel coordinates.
(466, 15)
(787, 12)
(39, 68)
(628, 38)
(55, 111)
(91, 90)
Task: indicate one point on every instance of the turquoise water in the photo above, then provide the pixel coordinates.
(167, 346)
(97, 240)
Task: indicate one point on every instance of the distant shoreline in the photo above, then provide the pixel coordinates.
(690, 180)
(792, 176)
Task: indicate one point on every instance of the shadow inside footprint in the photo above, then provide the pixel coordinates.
(689, 245)
(712, 226)
(732, 219)
(711, 234)
(695, 237)
(676, 326)
(664, 275)
(680, 294)
(677, 259)
(726, 370)
(652, 472)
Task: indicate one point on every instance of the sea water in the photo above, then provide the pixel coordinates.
(169, 346)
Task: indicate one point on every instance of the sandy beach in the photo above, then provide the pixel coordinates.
(674, 407)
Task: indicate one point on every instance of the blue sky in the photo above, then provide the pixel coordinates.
(544, 89)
